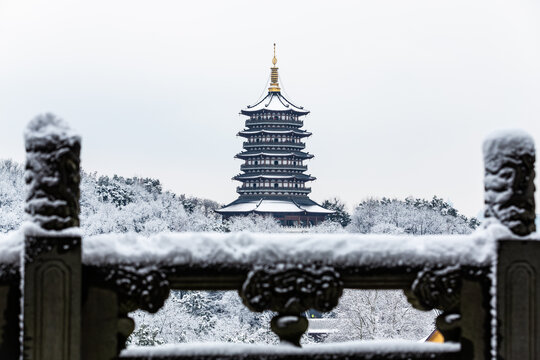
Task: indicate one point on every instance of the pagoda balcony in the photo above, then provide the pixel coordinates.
(263, 122)
(247, 133)
(271, 144)
(272, 167)
(271, 189)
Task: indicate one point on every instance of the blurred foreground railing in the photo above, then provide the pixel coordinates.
(77, 294)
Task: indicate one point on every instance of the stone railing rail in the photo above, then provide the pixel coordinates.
(77, 293)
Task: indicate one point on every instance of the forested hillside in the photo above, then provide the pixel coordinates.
(115, 204)
(118, 204)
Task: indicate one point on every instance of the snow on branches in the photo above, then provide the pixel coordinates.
(410, 216)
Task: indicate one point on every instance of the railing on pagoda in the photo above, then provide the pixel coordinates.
(273, 144)
(288, 189)
(77, 293)
(245, 167)
(280, 122)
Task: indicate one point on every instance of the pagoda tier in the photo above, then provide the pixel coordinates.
(268, 132)
(274, 104)
(273, 179)
(265, 176)
(274, 156)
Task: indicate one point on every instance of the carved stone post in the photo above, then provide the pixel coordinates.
(509, 183)
(52, 258)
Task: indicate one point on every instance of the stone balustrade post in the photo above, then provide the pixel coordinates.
(52, 246)
(509, 200)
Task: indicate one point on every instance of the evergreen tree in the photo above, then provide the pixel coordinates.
(341, 215)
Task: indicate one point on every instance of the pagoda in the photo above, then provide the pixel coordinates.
(273, 173)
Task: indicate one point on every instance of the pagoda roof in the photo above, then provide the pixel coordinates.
(274, 101)
(298, 154)
(274, 205)
(267, 176)
(272, 131)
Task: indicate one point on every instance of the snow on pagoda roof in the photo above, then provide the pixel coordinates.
(274, 101)
(268, 206)
(275, 153)
(274, 206)
(241, 207)
(316, 209)
(261, 176)
(268, 131)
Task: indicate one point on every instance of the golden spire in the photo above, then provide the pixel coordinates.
(274, 86)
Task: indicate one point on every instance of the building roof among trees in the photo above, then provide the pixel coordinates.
(274, 205)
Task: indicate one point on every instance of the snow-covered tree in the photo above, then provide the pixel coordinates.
(253, 223)
(115, 204)
(378, 314)
(410, 216)
(340, 215)
(189, 316)
(328, 227)
(12, 190)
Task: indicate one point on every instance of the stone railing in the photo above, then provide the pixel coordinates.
(77, 293)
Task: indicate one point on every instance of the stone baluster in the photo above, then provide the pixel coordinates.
(52, 248)
(509, 181)
(509, 200)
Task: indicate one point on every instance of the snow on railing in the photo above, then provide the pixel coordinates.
(248, 249)
(245, 249)
(375, 349)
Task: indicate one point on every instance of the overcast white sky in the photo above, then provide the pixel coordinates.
(401, 92)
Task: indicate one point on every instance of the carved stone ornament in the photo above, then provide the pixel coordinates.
(290, 290)
(144, 288)
(52, 173)
(439, 289)
(509, 181)
(436, 289)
